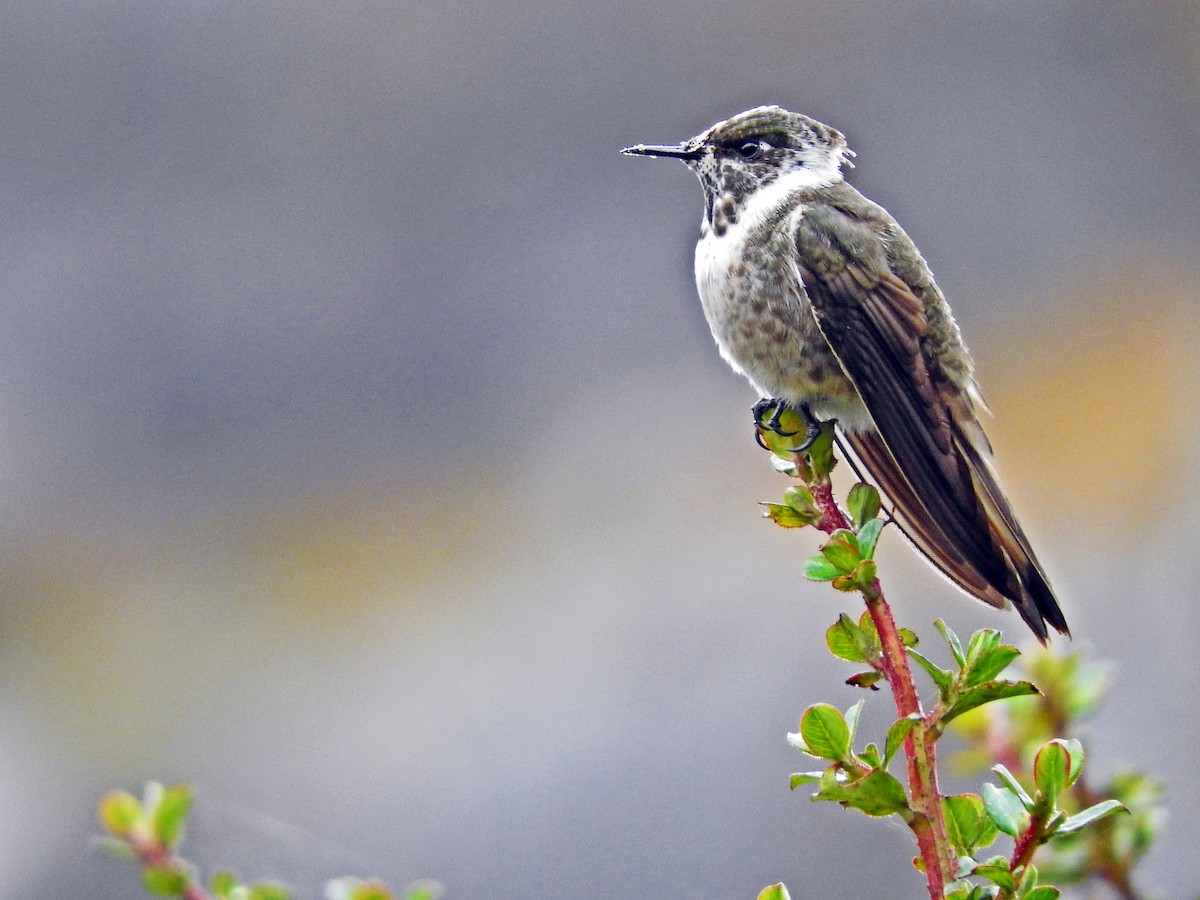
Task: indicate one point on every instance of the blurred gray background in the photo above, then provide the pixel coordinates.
(365, 460)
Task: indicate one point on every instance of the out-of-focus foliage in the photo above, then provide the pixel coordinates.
(1072, 687)
(149, 831)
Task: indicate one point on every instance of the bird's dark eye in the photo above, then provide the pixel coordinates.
(751, 149)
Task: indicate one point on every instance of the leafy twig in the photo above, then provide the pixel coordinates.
(927, 822)
(150, 831)
(948, 830)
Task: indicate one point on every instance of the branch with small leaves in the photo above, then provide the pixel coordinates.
(1017, 732)
(149, 831)
(949, 831)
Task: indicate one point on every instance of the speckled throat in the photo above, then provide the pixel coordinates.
(764, 326)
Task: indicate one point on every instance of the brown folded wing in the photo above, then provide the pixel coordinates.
(927, 453)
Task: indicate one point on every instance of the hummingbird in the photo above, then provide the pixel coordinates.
(818, 297)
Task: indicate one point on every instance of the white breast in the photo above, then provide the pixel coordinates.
(721, 277)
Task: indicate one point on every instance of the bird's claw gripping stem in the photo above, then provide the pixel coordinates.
(812, 425)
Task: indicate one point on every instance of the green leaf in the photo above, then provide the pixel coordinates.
(986, 693)
(799, 779)
(967, 823)
(1090, 815)
(825, 732)
(424, 890)
(368, 890)
(974, 892)
(1010, 781)
(1052, 770)
(1005, 809)
(867, 624)
(852, 716)
(120, 812)
(877, 794)
(982, 641)
(847, 641)
(274, 890)
(868, 537)
(820, 455)
(896, 734)
(797, 510)
(784, 516)
(870, 755)
(908, 637)
(1027, 879)
(800, 498)
(165, 882)
(941, 677)
(861, 579)
(169, 817)
(1043, 892)
(997, 860)
(818, 568)
(863, 504)
(774, 892)
(1075, 750)
(842, 550)
(990, 664)
(997, 873)
(222, 882)
(952, 639)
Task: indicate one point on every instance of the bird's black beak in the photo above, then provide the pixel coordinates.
(676, 151)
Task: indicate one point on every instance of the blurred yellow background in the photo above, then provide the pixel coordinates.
(365, 460)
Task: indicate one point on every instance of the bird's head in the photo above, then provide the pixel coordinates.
(739, 156)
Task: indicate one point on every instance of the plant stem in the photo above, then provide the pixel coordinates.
(919, 751)
(153, 855)
(928, 824)
(1027, 843)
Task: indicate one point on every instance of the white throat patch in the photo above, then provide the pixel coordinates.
(763, 202)
(715, 253)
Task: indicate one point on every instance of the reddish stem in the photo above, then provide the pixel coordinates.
(928, 824)
(834, 518)
(1027, 843)
(154, 855)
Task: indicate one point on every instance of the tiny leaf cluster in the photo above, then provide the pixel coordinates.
(859, 779)
(149, 831)
(1070, 690)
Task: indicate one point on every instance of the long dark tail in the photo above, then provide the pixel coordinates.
(968, 531)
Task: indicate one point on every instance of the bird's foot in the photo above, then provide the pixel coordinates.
(772, 424)
(812, 425)
(812, 429)
(776, 408)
